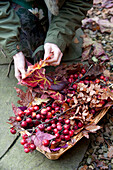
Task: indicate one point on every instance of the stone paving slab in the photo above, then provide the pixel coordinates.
(7, 95)
(16, 159)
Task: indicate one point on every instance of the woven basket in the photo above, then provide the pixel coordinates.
(57, 154)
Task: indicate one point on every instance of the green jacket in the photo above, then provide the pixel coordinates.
(61, 31)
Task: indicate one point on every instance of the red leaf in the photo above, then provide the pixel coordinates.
(39, 137)
(36, 78)
(26, 98)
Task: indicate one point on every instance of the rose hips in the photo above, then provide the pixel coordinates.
(57, 135)
(45, 142)
(97, 81)
(13, 131)
(83, 71)
(38, 116)
(24, 136)
(23, 141)
(18, 118)
(26, 150)
(24, 124)
(32, 146)
(29, 120)
(67, 121)
(43, 111)
(36, 108)
(67, 137)
(66, 132)
(74, 86)
(75, 76)
(41, 127)
(20, 113)
(71, 133)
(80, 124)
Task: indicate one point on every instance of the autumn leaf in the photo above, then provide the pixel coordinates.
(110, 152)
(16, 110)
(38, 101)
(92, 127)
(87, 42)
(26, 98)
(39, 137)
(36, 78)
(98, 49)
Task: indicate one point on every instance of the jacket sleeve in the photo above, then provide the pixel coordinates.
(9, 29)
(62, 28)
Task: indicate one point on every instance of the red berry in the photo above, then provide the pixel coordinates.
(92, 111)
(42, 117)
(83, 71)
(71, 76)
(23, 141)
(67, 137)
(86, 81)
(70, 80)
(54, 105)
(23, 124)
(66, 126)
(26, 150)
(60, 119)
(80, 124)
(48, 108)
(49, 115)
(102, 77)
(102, 102)
(97, 81)
(24, 136)
(45, 142)
(20, 113)
(58, 140)
(66, 132)
(75, 86)
(59, 127)
(12, 130)
(53, 112)
(80, 75)
(62, 137)
(26, 145)
(58, 123)
(36, 108)
(47, 120)
(53, 125)
(49, 128)
(57, 108)
(75, 76)
(57, 135)
(32, 146)
(75, 127)
(41, 127)
(44, 111)
(28, 112)
(68, 100)
(31, 109)
(55, 130)
(38, 116)
(33, 115)
(71, 133)
(36, 122)
(18, 118)
(67, 121)
(52, 121)
(29, 120)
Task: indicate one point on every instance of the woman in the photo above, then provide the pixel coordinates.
(66, 18)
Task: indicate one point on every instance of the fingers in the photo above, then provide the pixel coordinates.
(57, 54)
(19, 64)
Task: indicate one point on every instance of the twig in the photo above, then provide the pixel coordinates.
(83, 75)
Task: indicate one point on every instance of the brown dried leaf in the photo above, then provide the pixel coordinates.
(110, 152)
(92, 127)
(76, 41)
(106, 73)
(85, 134)
(84, 167)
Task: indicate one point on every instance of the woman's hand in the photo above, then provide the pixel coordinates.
(19, 64)
(57, 54)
